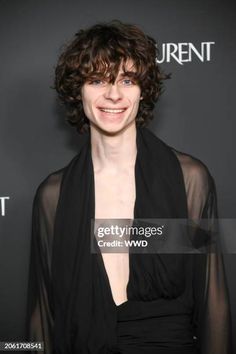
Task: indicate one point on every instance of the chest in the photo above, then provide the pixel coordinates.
(114, 195)
(114, 199)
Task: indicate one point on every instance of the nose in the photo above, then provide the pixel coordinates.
(113, 93)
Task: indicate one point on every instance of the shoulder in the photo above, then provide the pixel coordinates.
(195, 172)
(199, 184)
(49, 188)
(48, 191)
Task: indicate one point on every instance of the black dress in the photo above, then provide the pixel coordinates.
(177, 303)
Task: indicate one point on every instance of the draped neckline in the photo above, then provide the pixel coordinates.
(84, 308)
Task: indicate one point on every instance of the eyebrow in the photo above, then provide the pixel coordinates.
(128, 72)
(99, 75)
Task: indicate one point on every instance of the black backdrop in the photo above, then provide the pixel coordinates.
(195, 113)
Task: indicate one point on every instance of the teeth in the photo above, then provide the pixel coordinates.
(112, 110)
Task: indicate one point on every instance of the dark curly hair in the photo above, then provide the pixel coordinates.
(98, 52)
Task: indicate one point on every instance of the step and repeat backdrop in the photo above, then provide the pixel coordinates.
(195, 114)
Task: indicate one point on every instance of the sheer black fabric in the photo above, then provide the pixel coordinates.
(176, 303)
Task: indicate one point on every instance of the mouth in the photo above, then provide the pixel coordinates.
(112, 110)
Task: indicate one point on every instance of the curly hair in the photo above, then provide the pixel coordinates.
(98, 52)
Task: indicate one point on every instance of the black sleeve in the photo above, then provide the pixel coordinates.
(212, 310)
(40, 319)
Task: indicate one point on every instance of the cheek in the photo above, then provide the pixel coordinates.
(132, 95)
(86, 101)
(89, 98)
(85, 105)
(87, 109)
(136, 96)
(136, 99)
(136, 106)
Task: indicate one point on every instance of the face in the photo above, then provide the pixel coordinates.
(111, 108)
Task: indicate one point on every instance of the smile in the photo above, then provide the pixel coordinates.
(111, 110)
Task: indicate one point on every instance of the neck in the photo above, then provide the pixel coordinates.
(113, 152)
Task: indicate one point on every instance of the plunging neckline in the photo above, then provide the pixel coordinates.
(103, 268)
(99, 254)
(107, 281)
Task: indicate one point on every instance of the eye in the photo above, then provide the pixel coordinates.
(96, 82)
(127, 82)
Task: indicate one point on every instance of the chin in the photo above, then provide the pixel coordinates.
(113, 129)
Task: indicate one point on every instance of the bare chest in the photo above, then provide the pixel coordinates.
(114, 199)
(114, 195)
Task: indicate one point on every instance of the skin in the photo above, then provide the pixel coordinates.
(113, 143)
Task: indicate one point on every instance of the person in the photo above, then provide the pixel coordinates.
(82, 302)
